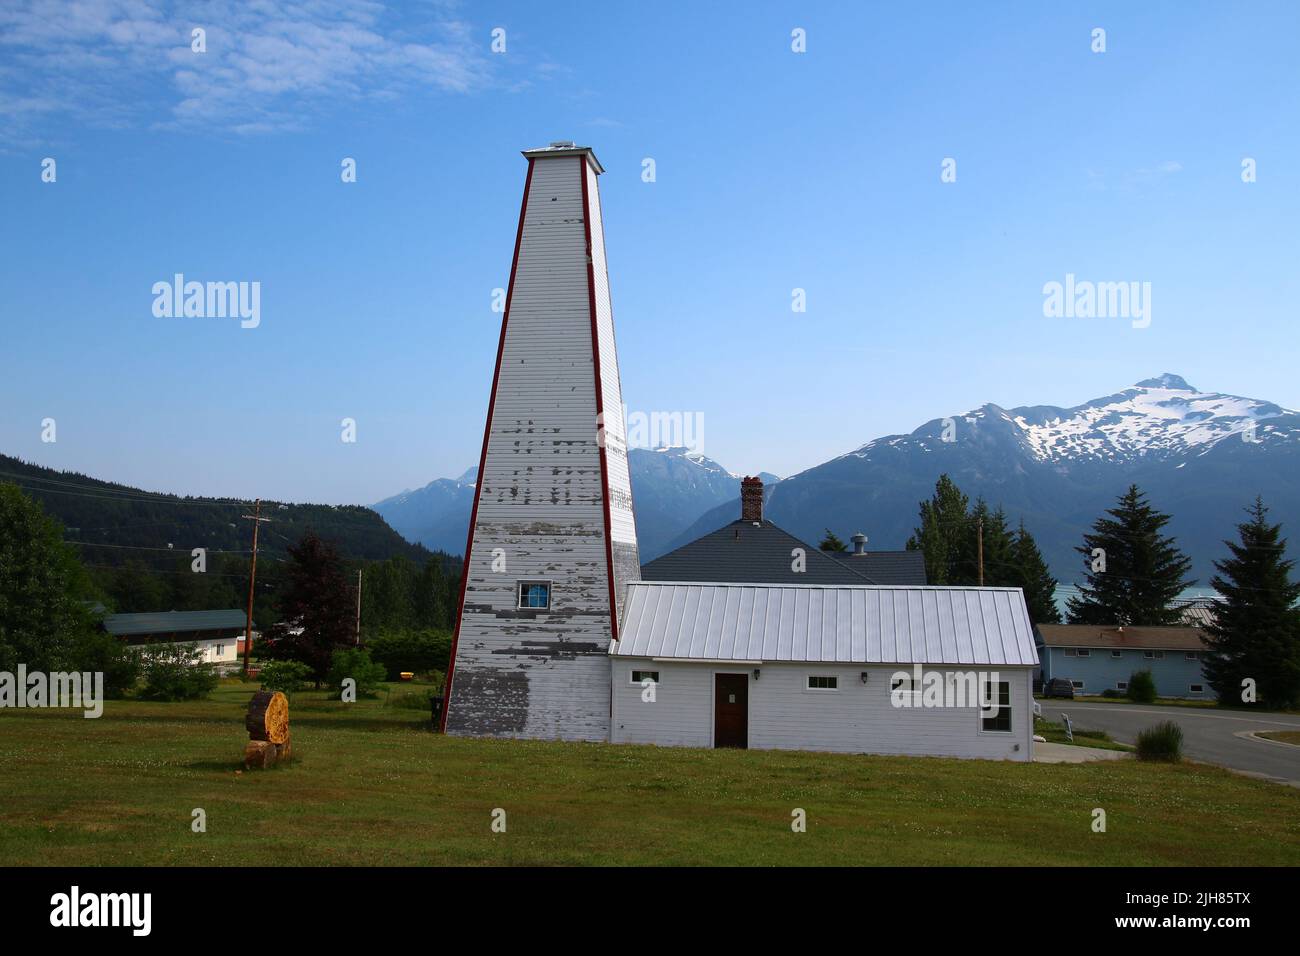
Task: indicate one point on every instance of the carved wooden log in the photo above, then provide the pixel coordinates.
(268, 717)
(260, 754)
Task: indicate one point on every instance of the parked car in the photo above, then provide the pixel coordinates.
(1058, 687)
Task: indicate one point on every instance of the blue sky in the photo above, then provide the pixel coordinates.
(775, 170)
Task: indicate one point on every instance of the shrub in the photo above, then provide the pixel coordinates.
(176, 672)
(105, 654)
(355, 663)
(284, 676)
(416, 651)
(1142, 688)
(1164, 741)
(1112, 693)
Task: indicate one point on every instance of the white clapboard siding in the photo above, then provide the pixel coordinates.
(785, 715)
(540, 505)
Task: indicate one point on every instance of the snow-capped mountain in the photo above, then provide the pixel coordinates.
(1201, 456)
(436, 515)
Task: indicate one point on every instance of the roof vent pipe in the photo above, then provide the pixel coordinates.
(859, 543)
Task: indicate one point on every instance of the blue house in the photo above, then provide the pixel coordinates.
(1095, 659)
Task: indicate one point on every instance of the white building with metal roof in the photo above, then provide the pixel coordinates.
(826, 667)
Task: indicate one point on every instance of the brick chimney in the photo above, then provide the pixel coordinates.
(751, 499)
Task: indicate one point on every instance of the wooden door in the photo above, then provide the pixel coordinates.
(731, 710)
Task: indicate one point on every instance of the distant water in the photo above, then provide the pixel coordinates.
(1064, 593)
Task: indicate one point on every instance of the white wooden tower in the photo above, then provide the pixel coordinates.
(552, 542)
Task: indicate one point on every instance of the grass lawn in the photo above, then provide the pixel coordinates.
(1286, 736)
(371, 785)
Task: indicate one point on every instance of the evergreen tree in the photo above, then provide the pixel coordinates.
(832, 542)
(999, 569)
(1033, 577)
(44, 621)
(1256, 627)
(1133, 572)
(944, 523)
(317, 614)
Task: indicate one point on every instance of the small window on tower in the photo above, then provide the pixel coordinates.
(535, 594)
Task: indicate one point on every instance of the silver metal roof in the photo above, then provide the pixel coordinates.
(857, 624)
(565, 148)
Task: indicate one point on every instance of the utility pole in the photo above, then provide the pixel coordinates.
(979, 536)
(257, 519)
(358, 605)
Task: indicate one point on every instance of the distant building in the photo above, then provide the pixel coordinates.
(753, 550)
(219, 634)
(1096, 659)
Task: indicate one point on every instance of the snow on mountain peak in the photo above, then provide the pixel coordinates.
(1157, 416)
(1167, 380)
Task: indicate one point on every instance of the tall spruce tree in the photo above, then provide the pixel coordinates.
(999, 570)
(1133, 572)
(1255, 632)
(1034, 578)
(940, 535)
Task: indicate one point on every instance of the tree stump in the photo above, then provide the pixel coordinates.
(268, 717)
(260, 754)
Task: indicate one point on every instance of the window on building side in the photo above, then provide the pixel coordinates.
(1154, 655)
(816, 682)
(1121, 685)
(1001, 721)
(534, 594)
(1196, 688)
(1192, 656)
(1077, 684)
(1070, 652)
(1116, 653)
(1085, 652)
(639, 676)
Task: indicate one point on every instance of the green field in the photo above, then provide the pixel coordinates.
(371, 785)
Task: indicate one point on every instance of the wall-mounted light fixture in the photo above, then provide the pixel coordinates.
(755, 673)
(864, 677)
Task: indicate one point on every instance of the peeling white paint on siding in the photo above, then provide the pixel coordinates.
(544, 673)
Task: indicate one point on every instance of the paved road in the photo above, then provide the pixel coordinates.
(1208, 735)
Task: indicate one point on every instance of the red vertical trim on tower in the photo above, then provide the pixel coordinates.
(600, 398)
(482, 458)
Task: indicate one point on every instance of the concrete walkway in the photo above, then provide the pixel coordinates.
(1068, 753)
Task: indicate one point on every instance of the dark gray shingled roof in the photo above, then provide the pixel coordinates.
(170, 622)
(887, 567)
(745, 552)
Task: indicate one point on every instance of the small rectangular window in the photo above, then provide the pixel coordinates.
(816, 682)
(534, 595)
(639, 677)
(1085, 652)
(1077, 684)
(1121, 685)
(1192, 656)
(1196, 688)
(1000, 722)
(1116, 653)
(1154, 655)
(1070, 652)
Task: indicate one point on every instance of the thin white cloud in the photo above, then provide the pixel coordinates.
(268, 66)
